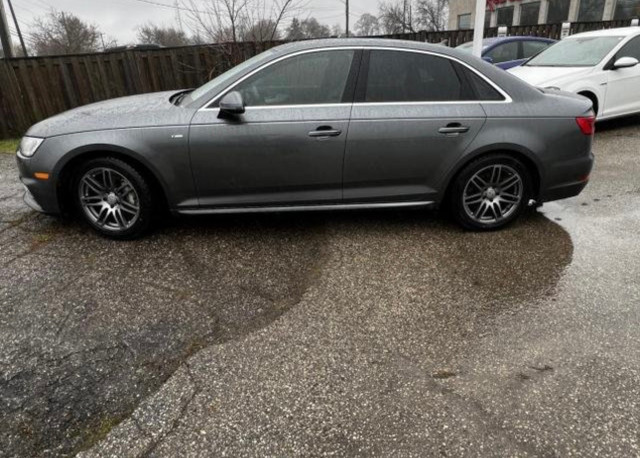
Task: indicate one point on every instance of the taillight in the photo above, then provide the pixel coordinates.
(587, 124)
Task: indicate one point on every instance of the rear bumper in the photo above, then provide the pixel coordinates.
(568, 179)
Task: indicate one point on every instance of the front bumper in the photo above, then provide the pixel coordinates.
(31, 201)
(40, 195)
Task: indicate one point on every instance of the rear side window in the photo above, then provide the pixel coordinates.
(398, 76)
(483, 90)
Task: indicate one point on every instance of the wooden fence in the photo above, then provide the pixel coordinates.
(32, 89)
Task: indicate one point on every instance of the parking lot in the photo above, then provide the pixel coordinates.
(339, 333)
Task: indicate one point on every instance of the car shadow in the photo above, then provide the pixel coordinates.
(93, 325)
(619, 123)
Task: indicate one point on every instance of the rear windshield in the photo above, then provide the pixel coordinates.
(575, 52)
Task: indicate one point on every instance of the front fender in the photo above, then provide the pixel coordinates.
(162, 151)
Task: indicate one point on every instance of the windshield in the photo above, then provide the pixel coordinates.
(575, 52)
(226, 77)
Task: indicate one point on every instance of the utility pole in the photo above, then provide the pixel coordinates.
(404, 16)
(5, 36)
(15, 20)
(346, 3)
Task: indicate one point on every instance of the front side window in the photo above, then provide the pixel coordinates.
(590, 10)
(529, 13)
(631, 49)
(504, 52)
(396, 76)
(575, 52)
(308, 79)
(531, 48)
(505, 16)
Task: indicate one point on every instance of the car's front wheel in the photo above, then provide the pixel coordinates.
(490, 192)
(113, 198)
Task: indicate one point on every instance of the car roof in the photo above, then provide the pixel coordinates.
(359, 42)
(486, 42)
(493, 40)
(617, 32)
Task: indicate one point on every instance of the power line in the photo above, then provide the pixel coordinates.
(173, 7)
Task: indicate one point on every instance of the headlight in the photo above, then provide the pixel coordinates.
(29, 145)
(552, 88)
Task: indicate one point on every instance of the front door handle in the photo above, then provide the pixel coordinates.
(454, 128)
(325, 131)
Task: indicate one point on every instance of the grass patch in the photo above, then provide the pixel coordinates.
(9, 146)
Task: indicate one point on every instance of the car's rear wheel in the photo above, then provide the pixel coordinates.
(490, 192)
(113, 198)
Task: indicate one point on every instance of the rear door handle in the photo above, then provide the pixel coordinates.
(325, 131)
(454, 128)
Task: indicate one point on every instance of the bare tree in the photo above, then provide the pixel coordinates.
(215, 20)
(394, 18)
(432, 14)
(63, 33)
(307, 28)
(337, 31)
(262, 30)
(229, 20)
(367, 25)
(164, 36)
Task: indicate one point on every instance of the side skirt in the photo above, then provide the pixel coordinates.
(300, 208)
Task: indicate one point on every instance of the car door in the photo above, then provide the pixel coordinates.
(414, 116)
(288, 146)
(623, 94)
(504, 55)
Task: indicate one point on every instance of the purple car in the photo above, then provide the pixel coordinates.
(507, 52)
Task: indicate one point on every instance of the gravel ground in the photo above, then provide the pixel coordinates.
(328, 334)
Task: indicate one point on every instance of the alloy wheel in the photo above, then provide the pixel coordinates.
(109, 199)
(492, 194)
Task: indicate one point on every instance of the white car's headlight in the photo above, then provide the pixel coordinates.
(29, 145)
(552, 88)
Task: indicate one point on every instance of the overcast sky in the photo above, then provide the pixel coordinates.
(119, 19)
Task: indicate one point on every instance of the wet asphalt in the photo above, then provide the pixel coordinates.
(328, 334)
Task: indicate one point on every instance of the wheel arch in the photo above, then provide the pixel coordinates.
(525, 156)
(591, 95)
(78, 156)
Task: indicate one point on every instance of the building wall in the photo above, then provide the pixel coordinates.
(463, 7)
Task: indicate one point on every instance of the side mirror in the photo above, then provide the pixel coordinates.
(625, 62)
(232, 103)
(488, 59)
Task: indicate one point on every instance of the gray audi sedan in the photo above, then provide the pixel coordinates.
(317, 125)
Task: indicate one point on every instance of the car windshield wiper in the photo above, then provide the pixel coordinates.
(557, 65)
(176, 99)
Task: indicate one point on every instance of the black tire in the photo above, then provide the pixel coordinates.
(497, 212)
(139, 196)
